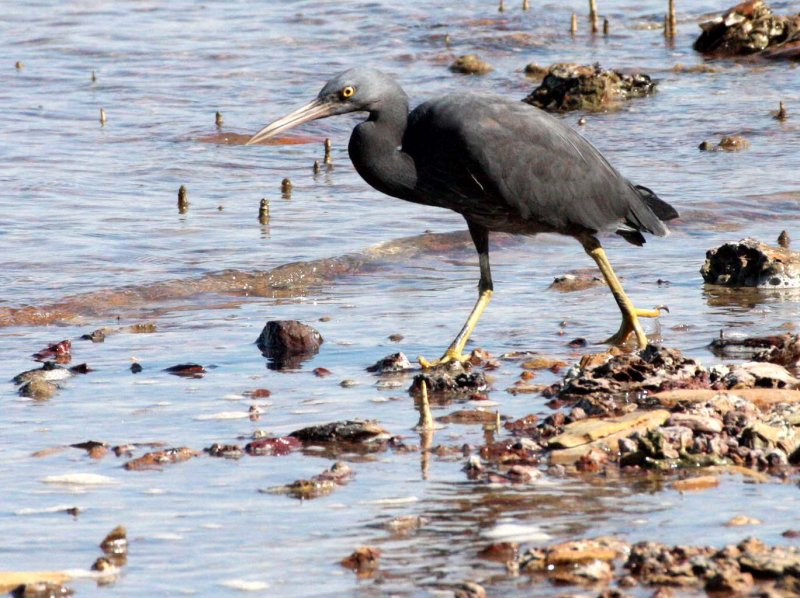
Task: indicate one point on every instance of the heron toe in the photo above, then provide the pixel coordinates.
(631, 325)
(448, 357)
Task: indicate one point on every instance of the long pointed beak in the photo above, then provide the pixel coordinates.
(311, 111)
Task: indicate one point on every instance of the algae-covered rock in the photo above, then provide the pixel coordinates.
(568, 86)
(752, 263)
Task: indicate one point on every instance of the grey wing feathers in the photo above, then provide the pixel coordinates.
(533, 163)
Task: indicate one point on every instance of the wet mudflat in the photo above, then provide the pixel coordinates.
(91, 237)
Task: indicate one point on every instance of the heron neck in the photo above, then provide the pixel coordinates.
(375, 151)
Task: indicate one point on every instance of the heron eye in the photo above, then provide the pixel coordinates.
(348, 91)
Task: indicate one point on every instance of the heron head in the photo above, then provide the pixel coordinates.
(354, 90)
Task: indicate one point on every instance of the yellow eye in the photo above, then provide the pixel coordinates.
(348, 91)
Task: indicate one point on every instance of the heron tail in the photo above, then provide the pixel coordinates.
(647, 215)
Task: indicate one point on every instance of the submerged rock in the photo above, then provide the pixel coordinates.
(470, 64)
(752, 263)
(391, 364)
(569, 86)
(288, 342)
(349, 432)
(449, 379)
(728, 143)
(750, 28)
(319, 485)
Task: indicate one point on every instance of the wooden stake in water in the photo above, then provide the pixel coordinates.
(218, 119)
(263, 211)
(315, 168)
(526, 5)
(328, 159)
(673, 21)
(593, 14)
(183, 200)
(94, 77)
(573, 27)
(425, 417)
(501, 7)
(605, 26)
(102, 117)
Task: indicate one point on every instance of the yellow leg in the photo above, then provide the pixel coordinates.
(630, 314)
(454, 351)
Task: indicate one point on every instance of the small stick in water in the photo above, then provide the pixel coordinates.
(315, 168)
(573, 28)
(218, 119)
(19, 65)
(673, 21)
(666, 27)
(781, 114)
(286, 188)
(605, 26)
(263, 211)
(94, 77)
(328, 159)
(425, 417)
(102, 117)
(593, 14)
(526, 5)
(501, 7)
(183, 200)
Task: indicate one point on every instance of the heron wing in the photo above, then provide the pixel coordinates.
(480, 154)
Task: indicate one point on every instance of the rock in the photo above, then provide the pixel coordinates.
(273, 446)
(364, 560)
(391, 364)
(469, 589)
(697, 423)
(570, 86)
(750, 28)
(49, 371)
(42, 589)
(156, 459)
(38, 389)
(11, 580)
(288, 342)
(405, 524)
(729, 143)
(500, 552)
(761, 375)
(585, 431)
(581, 551)
(470, 64)
(751, 263)
(761, 397)
(187, 370)
(319, 485)
(116, 541)
(450, 379)
(740, 520)
(226, 451)
(58, 351)
(350, 432)
(569, 283)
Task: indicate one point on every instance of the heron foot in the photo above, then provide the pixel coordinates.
(449, 357)
(631, 326)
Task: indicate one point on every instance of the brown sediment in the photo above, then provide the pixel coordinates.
(287, 281)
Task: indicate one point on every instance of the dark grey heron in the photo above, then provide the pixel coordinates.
(502, 164)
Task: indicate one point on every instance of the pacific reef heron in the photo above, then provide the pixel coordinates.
(502, 164)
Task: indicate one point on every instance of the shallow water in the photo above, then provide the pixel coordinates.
(89, 220)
